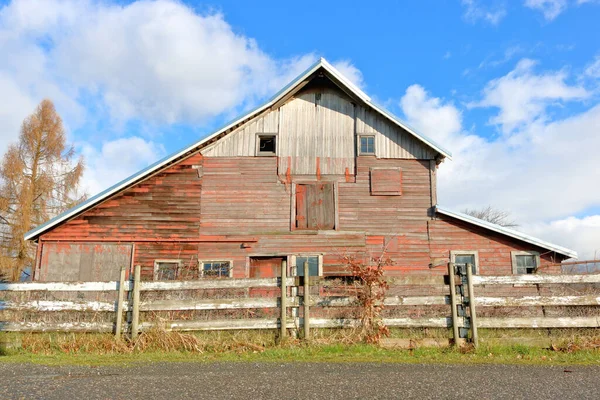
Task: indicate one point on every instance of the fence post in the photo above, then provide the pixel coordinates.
(283, 300)
(453, 304)
(306, 301)
(135, 318)
(120, 299)
(474, 333)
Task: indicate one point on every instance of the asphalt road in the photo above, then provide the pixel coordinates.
(298, 381)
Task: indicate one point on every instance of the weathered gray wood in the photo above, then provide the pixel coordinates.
(472, 305)
(543, 322)
(98, 327)
(211, 304)
(306, 301)
(527, 301)
(212, 284)
(534, 279)
(453, 303)
(57, 305)
(61, 286)
(135, 318)
(283, 318)
(120, 301)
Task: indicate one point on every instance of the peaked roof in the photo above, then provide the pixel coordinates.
(507, 231)
(146, 172)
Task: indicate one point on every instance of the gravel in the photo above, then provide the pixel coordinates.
(238, 380)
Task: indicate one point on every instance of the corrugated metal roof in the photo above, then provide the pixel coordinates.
(321, 63)
(507, 231)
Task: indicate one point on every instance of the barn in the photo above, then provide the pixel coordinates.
(317, 173)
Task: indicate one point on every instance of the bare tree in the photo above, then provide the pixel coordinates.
(39, 178)
(492, 215)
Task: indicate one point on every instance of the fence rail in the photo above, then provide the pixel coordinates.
(463, 293)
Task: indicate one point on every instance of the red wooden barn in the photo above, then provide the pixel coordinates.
(317, 173)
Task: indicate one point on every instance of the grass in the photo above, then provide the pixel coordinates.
(260, 346)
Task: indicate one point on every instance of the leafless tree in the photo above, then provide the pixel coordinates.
(39, 178)
(492, 215)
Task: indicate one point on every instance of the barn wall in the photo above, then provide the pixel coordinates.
(391, 141)
(164, 206)
(243, 195)
(405, 214)
(317, 129)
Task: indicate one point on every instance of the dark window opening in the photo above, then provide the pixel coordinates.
(367, 145)
(315, 208)
(267, 145)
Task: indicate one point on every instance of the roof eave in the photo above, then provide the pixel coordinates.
(508, 232)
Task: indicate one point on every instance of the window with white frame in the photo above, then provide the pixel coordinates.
(166, 270)
(525, 262)
(216, 269)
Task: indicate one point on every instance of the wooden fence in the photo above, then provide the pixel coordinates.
(299, 305)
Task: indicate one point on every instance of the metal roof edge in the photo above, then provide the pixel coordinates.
(507, 231)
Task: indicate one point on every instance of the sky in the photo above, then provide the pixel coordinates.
(511, 88)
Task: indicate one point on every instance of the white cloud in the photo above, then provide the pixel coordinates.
(542, 173)
(549, 8)
(116, 160)
(572, 232)
(350, 71)
(593, 69)
(523, 96)
(474, 11)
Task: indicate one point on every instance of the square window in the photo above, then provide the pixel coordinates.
(367, 145)
(525, 262)
(266, 145)
(166, 270)
(216, 269)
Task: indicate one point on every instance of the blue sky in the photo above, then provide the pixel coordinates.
(510, 87)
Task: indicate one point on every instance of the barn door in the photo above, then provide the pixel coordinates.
(315, 206)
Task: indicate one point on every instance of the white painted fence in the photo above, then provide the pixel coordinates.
(51, 306)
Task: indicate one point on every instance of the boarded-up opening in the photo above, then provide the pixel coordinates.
(315, 206)
(83, 261)
(265, 267)
(386, 181)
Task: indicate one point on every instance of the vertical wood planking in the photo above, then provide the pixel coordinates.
(120, 300)
(453, 303)
(306, 301)
(475, 335)
(135, 318)
(283, 318)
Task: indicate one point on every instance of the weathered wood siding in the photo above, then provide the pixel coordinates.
(242, 195)
(391, 141)
(316, 131)
(361, 211)
(71, 262)
(242, 142)
(166, 205)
